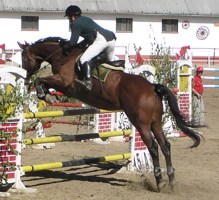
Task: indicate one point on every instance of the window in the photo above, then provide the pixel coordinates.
(124, 24)
(29, 23)
(170, 25)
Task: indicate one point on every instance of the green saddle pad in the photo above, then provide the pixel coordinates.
(104, 70)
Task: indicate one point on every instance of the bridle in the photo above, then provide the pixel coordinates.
(43, 60)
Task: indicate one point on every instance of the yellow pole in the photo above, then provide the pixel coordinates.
(42, 140)
(31, 115)
(74, 137)
(59, 113)
(109, 111)
(115, 133)
(39, 167)
(115, 157)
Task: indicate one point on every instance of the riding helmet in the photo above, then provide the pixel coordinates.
(73, 11)
(199, 69)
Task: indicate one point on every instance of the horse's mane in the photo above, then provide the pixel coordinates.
(50, 39)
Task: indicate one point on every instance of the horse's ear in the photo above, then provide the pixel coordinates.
(20, 45)
(23, 46)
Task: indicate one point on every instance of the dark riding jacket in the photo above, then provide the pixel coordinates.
(85, 27)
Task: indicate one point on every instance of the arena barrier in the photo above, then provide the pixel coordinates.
(213, 78)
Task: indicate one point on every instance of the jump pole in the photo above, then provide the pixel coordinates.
(79, 137)
(67, 104)
(84, 161)
(104, 120)
(31, 115)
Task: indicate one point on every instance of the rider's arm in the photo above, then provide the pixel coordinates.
(75, 34)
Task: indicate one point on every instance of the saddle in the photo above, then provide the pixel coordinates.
(116, 63)
(100, 67)
(101, 58)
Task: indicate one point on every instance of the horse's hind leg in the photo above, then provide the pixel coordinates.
(165, 148)
(153, 149)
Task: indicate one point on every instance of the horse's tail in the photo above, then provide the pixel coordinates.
(161, 91)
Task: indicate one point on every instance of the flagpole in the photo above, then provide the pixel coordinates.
(13, 55)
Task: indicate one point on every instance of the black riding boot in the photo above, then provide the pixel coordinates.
(86, 68)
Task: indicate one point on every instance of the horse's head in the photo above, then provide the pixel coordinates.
(30, 61)
(46, 49)
(51, 50)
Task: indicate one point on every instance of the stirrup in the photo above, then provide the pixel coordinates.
(88, 84)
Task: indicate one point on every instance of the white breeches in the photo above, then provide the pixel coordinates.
(100, 44)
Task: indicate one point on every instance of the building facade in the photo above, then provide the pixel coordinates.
(173, 23)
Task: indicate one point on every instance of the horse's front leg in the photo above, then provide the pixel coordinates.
(41, 88)
(43, 84)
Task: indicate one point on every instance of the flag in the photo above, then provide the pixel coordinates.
(139, 60)
(183, 50)
(177, 56)
(2, 46)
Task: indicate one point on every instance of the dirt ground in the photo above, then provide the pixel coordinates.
(196, 175)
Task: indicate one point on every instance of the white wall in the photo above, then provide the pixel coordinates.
(48, 26)
(145, 29)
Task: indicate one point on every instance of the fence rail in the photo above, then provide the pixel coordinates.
(208, 56)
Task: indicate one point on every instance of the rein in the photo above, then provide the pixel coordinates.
(40, 69)
(57, 50)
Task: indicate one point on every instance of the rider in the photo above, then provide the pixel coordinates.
(98, 39)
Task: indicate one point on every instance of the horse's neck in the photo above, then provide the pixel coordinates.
(55, 55)
(50, 53)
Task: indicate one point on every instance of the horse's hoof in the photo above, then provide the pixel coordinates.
(171, 184)
(51, 98)
(161, 185)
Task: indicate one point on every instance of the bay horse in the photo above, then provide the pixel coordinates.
(137, 97)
